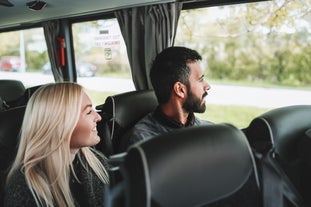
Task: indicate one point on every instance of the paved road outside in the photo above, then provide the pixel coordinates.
(219, 94)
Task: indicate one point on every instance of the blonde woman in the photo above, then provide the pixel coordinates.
(55, 164)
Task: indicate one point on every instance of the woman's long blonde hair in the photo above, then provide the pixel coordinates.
(44, 150)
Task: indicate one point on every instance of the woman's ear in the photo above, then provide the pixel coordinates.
(180, 89)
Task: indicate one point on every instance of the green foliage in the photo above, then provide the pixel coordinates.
(113, 67)
(9, 44)
(260, 42)
(36, 60)
(239, 116)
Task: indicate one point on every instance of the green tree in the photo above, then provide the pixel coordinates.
(264, 41)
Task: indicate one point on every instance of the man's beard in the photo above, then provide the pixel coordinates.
(194, 104)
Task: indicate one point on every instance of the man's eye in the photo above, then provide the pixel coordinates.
(89, 112)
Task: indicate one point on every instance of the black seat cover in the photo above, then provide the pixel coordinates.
(199, 166)
(10, 125)
(10, 90)
(277, 135)
(119, 114)
(279, 128)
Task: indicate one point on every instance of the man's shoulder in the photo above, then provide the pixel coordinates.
(198, 122)
(146, 128)
(147, 125)
(148, 120)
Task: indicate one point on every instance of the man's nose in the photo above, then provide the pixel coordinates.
(207, 86)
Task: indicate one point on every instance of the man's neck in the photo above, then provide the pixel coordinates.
(175, 112)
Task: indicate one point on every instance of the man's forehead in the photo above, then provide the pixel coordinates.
(195, 68)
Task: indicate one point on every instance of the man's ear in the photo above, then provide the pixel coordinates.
(180, 89)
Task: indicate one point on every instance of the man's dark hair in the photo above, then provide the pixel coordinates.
(169, 67)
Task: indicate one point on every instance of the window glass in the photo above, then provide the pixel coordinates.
(256, 56)
(101, 58)
(23, 55)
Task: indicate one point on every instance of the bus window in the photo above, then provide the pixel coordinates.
(23, 55)
(101, 58)
(265, 45)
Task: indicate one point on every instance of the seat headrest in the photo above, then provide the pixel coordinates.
(3, 105)
(282, 127)
(11, 90)
(127, 108)
(10, 125)
(189, 167)
(305, 146)
(26, 96)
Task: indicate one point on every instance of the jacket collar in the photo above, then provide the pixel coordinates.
(165, 120)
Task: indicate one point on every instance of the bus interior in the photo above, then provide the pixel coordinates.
(256, 57)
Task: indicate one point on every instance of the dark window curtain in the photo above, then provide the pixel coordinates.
(51, 33)
(147, 31)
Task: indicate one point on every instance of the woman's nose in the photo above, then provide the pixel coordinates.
(98, 117)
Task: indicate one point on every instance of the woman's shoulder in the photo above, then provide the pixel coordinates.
(17, 180)
(98, 154)
(102, 158)
(17, 192)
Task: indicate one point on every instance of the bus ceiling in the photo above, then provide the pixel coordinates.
(28, 13)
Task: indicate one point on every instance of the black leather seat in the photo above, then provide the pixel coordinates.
(22, 100)
(280, 126)
(10, 125)
(305, 153)
(276, 135)
(11, 90)
(119, 114)
(199, 166)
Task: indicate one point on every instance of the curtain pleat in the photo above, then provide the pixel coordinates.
(147, 31)
(51, 33)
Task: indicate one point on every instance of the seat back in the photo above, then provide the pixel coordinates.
(305, 153)
(279, 128)
(276, 134)
(10, 125)
(119, 114)
(22, 100)
(11, 90)
(3, 105)
(198, 166)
